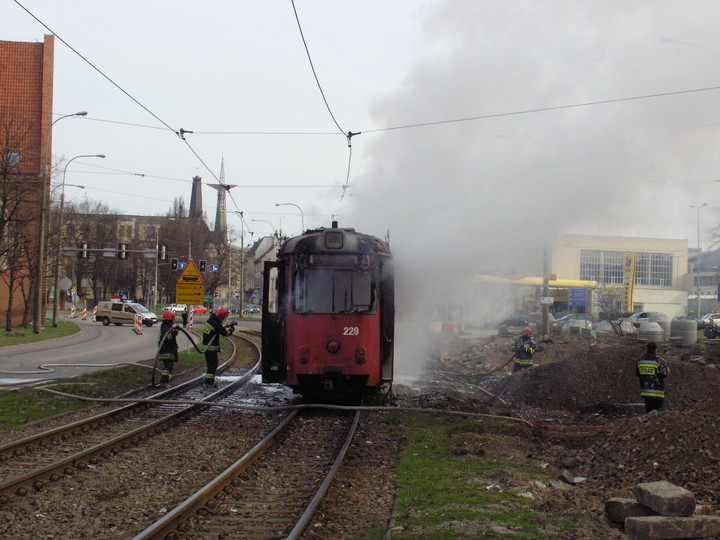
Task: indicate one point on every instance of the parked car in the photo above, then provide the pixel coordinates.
(708, 316)
(176, 308)
(250, 309)
(199, 310)
(702, 324)
(650, 316)
(582, 320)
(518, 319)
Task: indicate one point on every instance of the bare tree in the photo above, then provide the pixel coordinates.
(609, 299)
(19, 199)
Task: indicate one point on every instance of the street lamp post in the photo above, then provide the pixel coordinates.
(697, 260)
(242, 258)
(39, 316)
(268, 222)
(302, 216)
(60, 236)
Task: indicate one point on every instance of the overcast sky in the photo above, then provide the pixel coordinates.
(482, 128)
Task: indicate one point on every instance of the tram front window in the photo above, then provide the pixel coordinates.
(333, 291)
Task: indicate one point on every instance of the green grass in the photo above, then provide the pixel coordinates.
(447, 493)
(24, 405)
(22, 336)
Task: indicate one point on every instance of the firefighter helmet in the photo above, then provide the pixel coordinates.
(526, 332)
(222, 314)
(168, 316)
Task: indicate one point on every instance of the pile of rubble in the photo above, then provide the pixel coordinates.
(662, 511)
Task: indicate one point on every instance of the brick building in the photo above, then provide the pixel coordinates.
(26, 101)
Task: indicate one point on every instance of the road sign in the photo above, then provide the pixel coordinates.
(190, 288)
(182, 265)
(576, 297)
(213, 267)
(547, 300)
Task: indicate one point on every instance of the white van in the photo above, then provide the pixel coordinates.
(120, 313)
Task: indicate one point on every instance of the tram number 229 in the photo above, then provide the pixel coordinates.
(351, 331)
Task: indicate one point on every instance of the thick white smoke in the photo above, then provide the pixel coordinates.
(482, 196)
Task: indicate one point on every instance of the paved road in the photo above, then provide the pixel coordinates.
(95, 347)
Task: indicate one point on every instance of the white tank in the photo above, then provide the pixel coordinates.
(685, 329)
(651, 331)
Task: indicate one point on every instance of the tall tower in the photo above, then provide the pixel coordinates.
(195, 211)
(220, 216)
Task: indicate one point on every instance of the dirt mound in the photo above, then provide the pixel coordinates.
(579, 395)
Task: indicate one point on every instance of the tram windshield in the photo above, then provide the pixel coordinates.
(322, 290)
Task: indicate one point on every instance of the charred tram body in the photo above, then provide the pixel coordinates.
(329, 314)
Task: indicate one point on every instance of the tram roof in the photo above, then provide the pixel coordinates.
(314, 241)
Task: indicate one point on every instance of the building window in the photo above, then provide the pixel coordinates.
(12, 159)
(606, 267)
(653, 269)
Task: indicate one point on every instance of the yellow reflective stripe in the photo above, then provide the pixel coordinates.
(523, 362)
(652, 393)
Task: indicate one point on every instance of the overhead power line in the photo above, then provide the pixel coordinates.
(180, 133)
(546, 109)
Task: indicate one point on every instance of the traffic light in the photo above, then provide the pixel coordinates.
(203, 266)
(173, 264)
(162, 253)
(84, 251)
(122, 253)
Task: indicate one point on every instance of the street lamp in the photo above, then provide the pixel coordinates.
(56, 299)
(302, 216)
(242, 257)
(697, 260)
(268, 222)
(39, 317)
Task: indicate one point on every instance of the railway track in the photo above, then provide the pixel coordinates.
(271, 491)
(30, 463)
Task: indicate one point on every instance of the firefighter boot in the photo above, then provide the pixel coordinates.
(209, 379)
(165, 377)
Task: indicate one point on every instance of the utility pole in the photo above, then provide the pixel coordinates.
(546, 290)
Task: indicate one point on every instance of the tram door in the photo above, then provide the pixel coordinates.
(274, 317)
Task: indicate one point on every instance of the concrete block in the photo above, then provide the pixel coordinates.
(665, 498)
(671, 528)
(619, 509)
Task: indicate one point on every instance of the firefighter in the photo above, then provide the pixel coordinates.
(168, 352)
(711, 332)
(652, 371)
(211, 341)
(524, 348)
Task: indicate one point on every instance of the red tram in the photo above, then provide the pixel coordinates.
(328, 314)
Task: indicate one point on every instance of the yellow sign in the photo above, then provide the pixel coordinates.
(190, 288)
(628, 280)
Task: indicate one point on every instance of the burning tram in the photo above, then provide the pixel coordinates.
(328, 314)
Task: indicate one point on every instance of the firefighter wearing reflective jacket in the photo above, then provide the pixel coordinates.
(524, 348)
(168, 353)
(652, 371)
(211, 341)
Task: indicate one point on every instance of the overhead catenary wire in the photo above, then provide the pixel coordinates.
(180, 133)
(349, 135)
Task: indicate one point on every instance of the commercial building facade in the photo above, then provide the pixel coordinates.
(26, 102)
(661, 276)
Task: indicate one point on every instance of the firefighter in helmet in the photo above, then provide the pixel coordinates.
(652, 370)
(168, 353)
(214, 328)
(524, 348)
